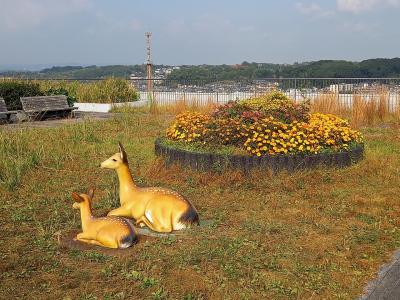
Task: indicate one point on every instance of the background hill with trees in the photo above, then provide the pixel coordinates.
(370, 68)
(320, 69)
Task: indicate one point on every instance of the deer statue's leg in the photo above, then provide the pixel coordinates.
(81, 236)
(94, 242)
(152, 226)
(121, 212)
(108, 241)
(141, 223)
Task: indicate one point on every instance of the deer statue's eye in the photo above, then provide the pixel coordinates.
(114, 159)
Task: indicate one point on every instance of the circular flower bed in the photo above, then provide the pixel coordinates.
(267, 126)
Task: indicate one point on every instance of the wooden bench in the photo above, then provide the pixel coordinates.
(4, 111)
(46, 106)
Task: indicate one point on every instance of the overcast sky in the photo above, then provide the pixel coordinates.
(196, 32)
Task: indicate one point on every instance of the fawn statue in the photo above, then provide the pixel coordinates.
(160, 209)
(110, 232)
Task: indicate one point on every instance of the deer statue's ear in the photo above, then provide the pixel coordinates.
(76, 197)
(122, 152)
(91, 193)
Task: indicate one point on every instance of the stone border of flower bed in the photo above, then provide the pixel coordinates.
(276, 163)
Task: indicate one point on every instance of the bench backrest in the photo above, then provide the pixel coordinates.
(3, 107)
(44, 103)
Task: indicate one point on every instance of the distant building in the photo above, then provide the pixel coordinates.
(134, 77)
(341, 88)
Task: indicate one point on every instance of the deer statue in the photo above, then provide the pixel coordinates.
(110, 232)
(160, 209)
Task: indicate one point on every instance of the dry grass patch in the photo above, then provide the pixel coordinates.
(173, 108)
(362, 110)
(321, 233)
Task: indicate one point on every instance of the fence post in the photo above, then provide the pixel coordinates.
(338, 95)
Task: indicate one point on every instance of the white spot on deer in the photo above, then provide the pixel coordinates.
(148, 216)
(179, 226)
(125, 245)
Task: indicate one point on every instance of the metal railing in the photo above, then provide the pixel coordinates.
(299, 89)
(167, 91)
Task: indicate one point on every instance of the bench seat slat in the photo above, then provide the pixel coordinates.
(39, 106)
(52, 109)
(45, 103)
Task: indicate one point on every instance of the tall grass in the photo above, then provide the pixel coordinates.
(328, 103)
(17, 156)
(24, 149)
(172, 108)
(383, 101)
(361, 111)
(184, 105)
(110, 90)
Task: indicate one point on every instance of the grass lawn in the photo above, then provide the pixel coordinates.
(316, 234)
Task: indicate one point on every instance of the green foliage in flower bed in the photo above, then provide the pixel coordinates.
(275, 104)
(201, 148)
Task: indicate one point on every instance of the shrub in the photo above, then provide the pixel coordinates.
(61, 91)
(111, 90)
(189, 127)
(12, 90)
(227, 131)
(321, 133)
(267, 102)
(275, 104)
(278, 105)
(232, 109)
(332, 132)
(260, 134)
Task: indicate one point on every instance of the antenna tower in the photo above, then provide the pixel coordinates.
(149, 64)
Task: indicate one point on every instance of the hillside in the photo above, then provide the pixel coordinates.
(78, 72)
(319, 69)
(246, 71)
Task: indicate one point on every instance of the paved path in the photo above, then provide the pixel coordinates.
(387, 285)
(79, 117)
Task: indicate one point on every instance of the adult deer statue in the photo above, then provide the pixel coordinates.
(110, 232)
(160, 209)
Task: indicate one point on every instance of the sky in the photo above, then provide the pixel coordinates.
(101, 32)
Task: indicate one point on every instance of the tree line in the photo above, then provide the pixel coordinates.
(370, 68)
